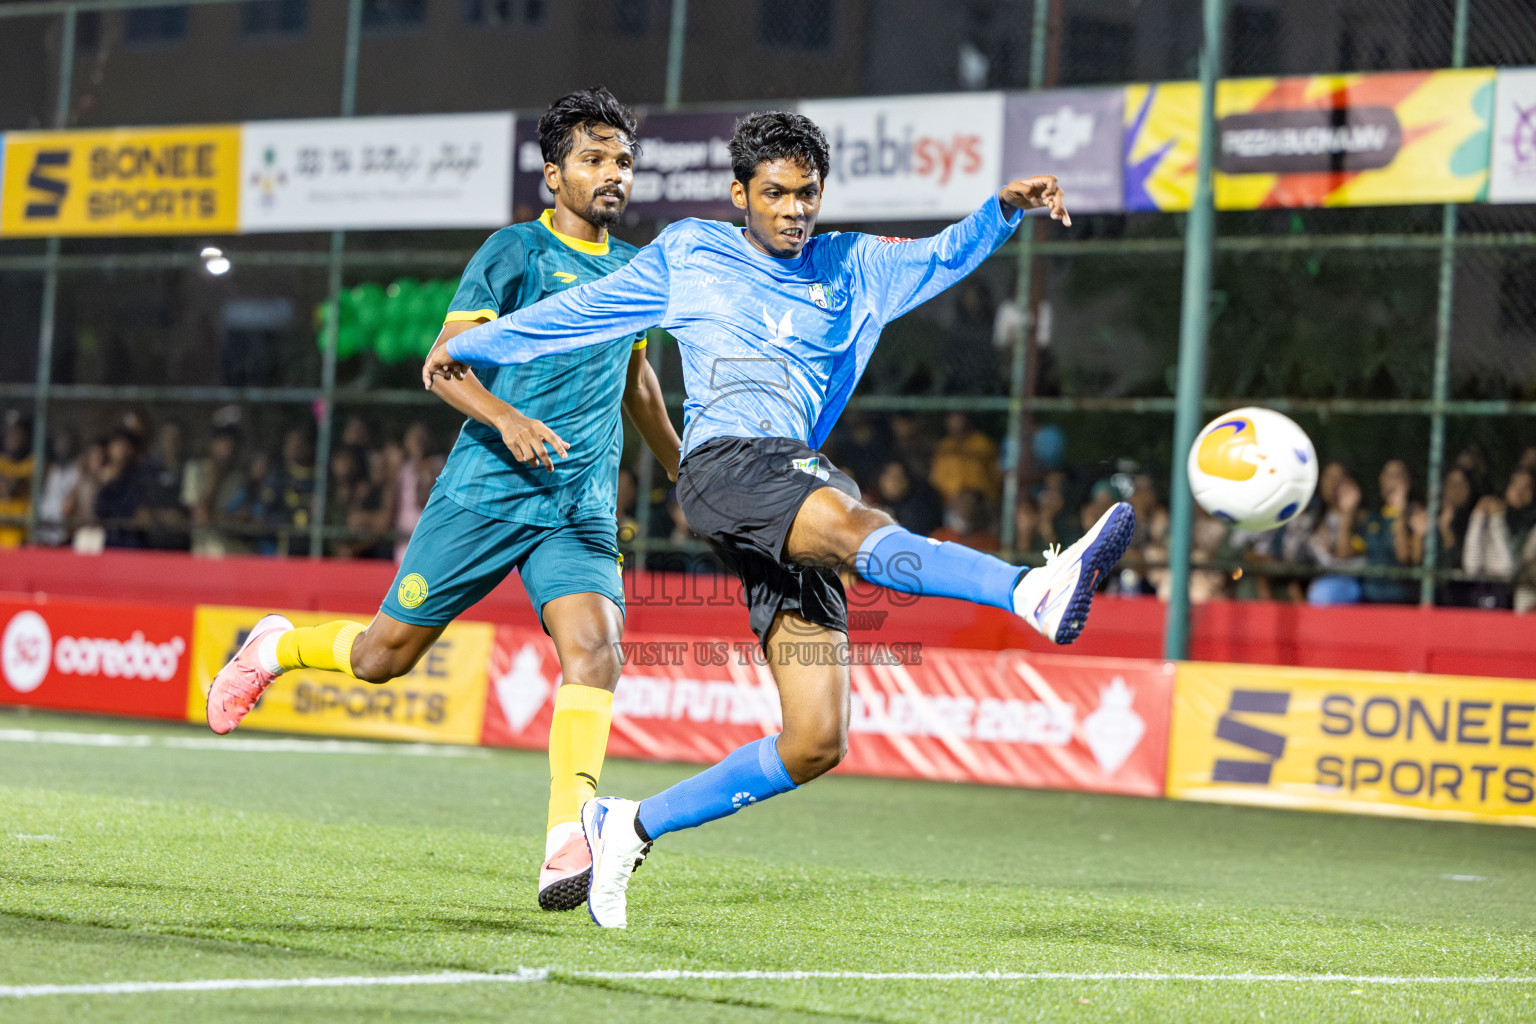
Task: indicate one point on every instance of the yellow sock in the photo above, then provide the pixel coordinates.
(578, 739)
(327, 646)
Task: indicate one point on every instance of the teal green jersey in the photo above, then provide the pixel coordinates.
(577, 395)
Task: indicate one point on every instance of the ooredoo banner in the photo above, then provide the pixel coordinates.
(1324, 140)
(1366, 742)
(683, 169)
(1002, 718)
(1074, 134)
(441, 700)
(1513, 174)
(909, 157)
(435, 171)
(121, 659)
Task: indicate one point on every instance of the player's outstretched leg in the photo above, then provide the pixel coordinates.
(586, 629)
(387, 648)
(813, 695)
(833, 528)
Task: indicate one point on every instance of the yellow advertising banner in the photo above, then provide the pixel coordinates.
(123, 181)
(1323, 140)
(442, 700)
(1367, 742)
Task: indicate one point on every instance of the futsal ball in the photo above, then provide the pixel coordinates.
(1253, 468)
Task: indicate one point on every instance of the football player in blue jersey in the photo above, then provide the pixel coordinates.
(775, 326)
(502, 501)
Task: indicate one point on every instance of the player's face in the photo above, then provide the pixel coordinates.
(594, 181)
(781, 202)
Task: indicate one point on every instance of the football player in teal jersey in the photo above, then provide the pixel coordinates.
(530, 485)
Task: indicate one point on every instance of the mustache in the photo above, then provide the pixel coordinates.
(609, 190)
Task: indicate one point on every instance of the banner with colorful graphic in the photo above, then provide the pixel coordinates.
(1513, 176)
(434, 171)
(1324, 140)
(1074, 134)
(121, 181)
(683, 169)
(909, 157)
(441, 700)
(1000, 718)
(118, 659)
(1365, 742)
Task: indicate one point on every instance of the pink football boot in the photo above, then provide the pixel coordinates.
(240, 684)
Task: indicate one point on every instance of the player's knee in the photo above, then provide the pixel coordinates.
(811, 757)
(375, 662)
(591, 661)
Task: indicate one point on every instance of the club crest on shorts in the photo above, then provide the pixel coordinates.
(821, 295)
(413, 591)
(812, 466)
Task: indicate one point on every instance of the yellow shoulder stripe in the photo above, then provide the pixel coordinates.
(455, 315)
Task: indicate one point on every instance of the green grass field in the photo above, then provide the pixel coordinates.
(182, 858)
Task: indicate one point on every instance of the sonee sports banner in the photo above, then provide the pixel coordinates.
(1366, 742)
(1000, 718)
(441, 700)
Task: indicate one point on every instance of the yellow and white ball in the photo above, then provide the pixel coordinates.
(1254, 468)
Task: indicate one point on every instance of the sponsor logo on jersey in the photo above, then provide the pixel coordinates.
(821, 295)
(812, 466)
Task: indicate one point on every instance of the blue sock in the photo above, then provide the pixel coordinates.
(748, 774)
(901, 560)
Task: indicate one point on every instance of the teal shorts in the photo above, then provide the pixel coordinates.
(456, 557)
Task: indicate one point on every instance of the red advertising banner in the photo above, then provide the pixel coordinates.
(122, 659)
(997, 717)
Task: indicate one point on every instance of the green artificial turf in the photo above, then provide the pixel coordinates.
(167, 863)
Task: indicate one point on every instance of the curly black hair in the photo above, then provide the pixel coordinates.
(777, 135)
(585, 109)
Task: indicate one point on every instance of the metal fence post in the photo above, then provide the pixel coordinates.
(1440, 383)
(676, 37)
(1194, 327)
(47, 315)
(1023, 297)
(333, 302)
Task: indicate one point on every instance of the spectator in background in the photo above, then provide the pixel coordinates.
(357, 434)
(1455, 511)
(1101, 498)
(162, 481)
(413, 483)
(1471, 461)
(15, 478)
(209, 487)
(968, 521)
(1208, 538)
(911, 444)
(1498, 533)
(345, 504)
(80, 505)
(1336, 543)
(1057, 525)
(59, 482)
(296, 483)
(1528, 460)
(1031, 532)
(912, 503)
(1388, 541)
(119, 502)
(254, 509)
(862, 447)
(966, 459)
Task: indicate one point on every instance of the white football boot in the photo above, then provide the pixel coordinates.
(617, 850)
(1055, 597)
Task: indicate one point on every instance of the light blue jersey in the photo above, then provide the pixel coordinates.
(770, 347)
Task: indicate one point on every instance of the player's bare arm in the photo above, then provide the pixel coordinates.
(1034, 193)
(648, 411)
(528, 440)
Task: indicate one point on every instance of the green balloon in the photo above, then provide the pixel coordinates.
(349, 341)
(368, 299)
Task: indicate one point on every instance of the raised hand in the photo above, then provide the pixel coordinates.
(1033, 193)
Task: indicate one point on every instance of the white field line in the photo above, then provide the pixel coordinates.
(524, 975)
(242, 744)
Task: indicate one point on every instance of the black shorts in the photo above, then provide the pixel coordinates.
(741, 494)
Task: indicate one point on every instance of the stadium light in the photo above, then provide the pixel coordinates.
(214, 261)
